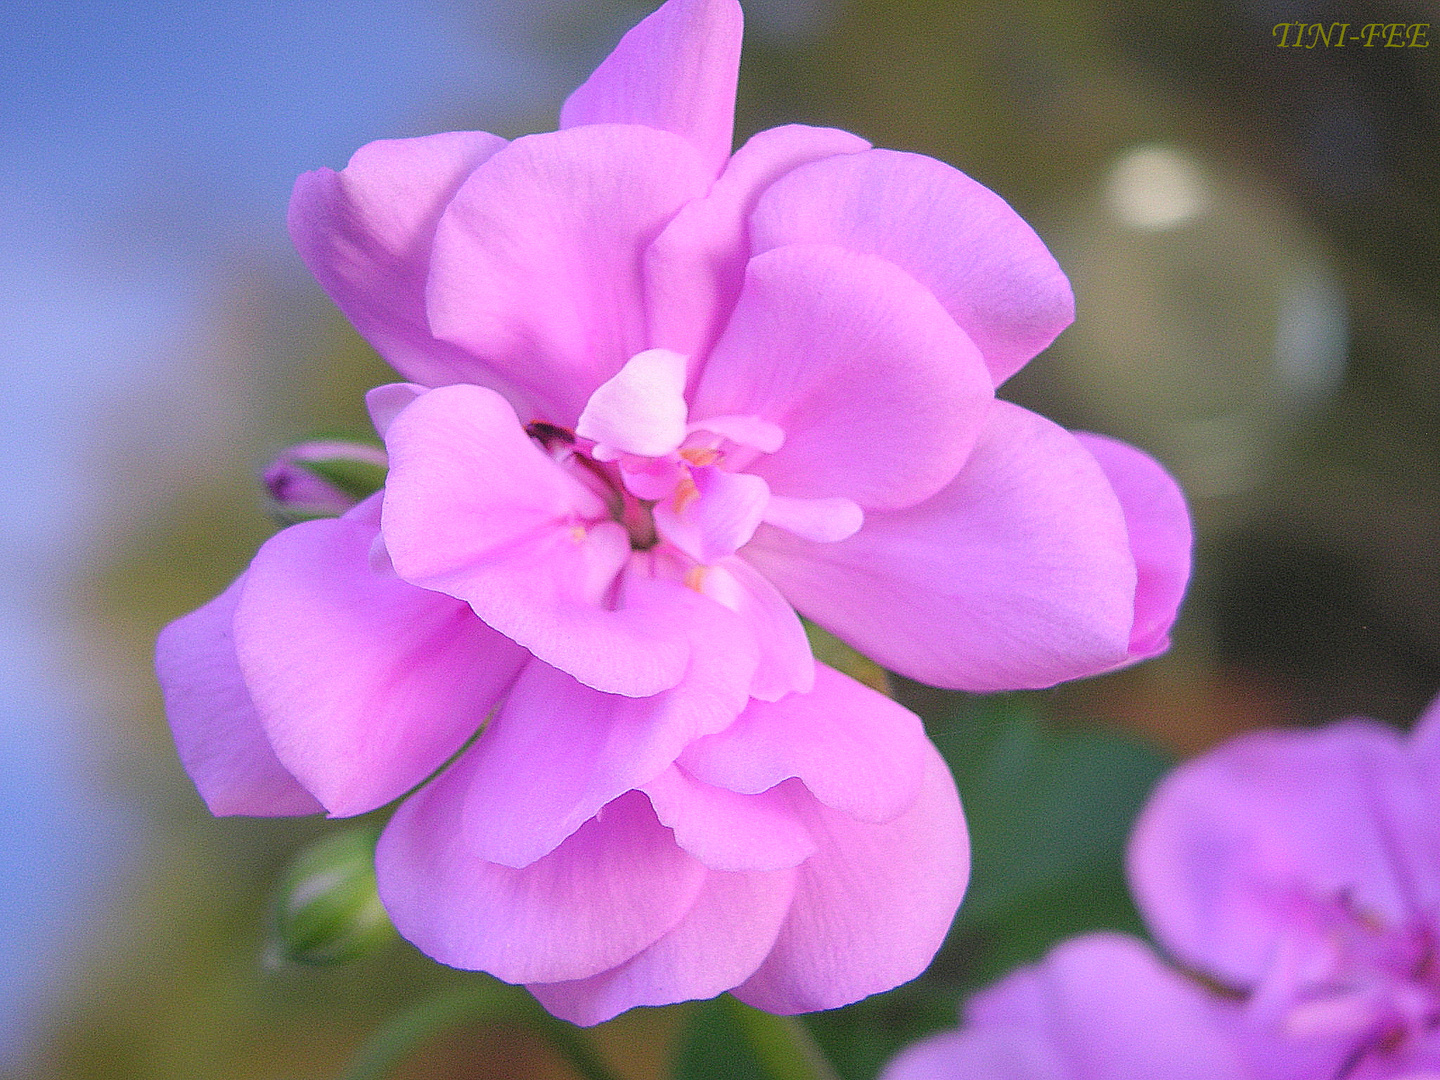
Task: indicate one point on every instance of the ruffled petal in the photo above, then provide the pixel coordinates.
(1000, 1053)
(384, 403)
(1102, 1006)
(879, 393)
(871, 906)
(718, 944)
(729, 831)
(217, 732)
(694, 269)
(1017, 575)
(366, 232)
(640, 409)
(1238, 848)
(787, 665)
(823, 520)
(475, 509)
(674, 70)
(558, 751)
(1158, 522)
(537, 260)
(855, 749)
(1425, 742)
(365, 684)
(614, 887)
(714, 515)
(957, 237)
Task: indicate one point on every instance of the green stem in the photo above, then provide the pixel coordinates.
(782, 1043)
(393, 1041)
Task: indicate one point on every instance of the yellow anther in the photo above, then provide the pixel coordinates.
(685, 493)
(700, 455)
(577, 533)
(695, 578)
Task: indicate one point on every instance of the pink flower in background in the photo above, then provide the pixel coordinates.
(1097, 1007)
(1302, 868)
(1299, 871)
(661, 397)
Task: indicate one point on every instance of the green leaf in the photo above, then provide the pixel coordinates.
(488, 1001)
(1045, 804)
(728, 1040)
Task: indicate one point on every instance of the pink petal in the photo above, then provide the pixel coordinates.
(536, 263)
(958, 238)
(676, 71)
(558, 751)
(1236, 846)
(718, 944)
(384, 403)
(217, 733)
(729, 831)
(614, 887)
(1425, 741)
(365, 684)
(695, 267)
(879, 393)
(855, 749)
(365, 233)
(640, 409)
(998, 1053)
(1159, 525)
(717, 518)
(787, 666)
(1017, 575)
(871, 906)
(474, 508)
(1102, 1007)
(748, 431)
(823, 520)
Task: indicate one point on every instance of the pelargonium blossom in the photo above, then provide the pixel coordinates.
(659, 398)
(1298, 874)
(1302, 869)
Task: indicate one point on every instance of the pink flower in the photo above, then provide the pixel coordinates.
(1303, 869)
(658, 395)
(1098, 1007)
(609, 851)
(790, 352)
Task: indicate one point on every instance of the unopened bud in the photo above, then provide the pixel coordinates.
(323, 478)
(327, 909)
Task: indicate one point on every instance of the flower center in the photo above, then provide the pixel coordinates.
(1376, 982)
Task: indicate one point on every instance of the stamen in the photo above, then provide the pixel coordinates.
(701, 456)
(695, 578)
(685, 492)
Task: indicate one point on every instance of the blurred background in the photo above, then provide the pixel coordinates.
(1253, 233)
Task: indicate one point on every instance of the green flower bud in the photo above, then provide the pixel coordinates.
(327, 909)
(323, 478)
